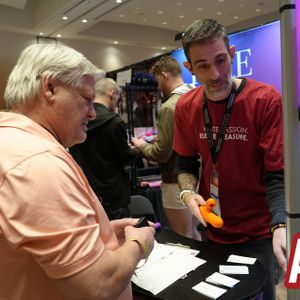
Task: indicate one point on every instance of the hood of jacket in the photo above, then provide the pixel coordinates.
(103, 115)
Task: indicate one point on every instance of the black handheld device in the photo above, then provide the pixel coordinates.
(142, 222)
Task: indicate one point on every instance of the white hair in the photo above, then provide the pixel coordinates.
(57, 61)
(105, 85)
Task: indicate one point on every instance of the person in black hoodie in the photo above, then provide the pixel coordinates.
(105, 152)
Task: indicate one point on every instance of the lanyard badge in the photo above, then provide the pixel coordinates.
(214, 189)
(216, 147)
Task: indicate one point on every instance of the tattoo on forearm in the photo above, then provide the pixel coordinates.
(187, 181)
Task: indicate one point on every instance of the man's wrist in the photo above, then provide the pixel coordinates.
(142, 146)
(142, 245)
(277, 224)
(183, 193)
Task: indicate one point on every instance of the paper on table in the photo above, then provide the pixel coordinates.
(217, 278)
(164, 266)
(181, 248)
(241, 259)
(160, 251)
(229, 269)
(209, 290)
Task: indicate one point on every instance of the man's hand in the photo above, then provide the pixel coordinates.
(120, 224)
(145, 236)
(119, 227)
(132, 147)
(279, 247)
(137, 142)
(192, 201)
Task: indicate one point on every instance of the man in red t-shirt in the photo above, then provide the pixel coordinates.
(233, 126)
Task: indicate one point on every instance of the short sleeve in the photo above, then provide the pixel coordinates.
(50, 214)
(181, 143)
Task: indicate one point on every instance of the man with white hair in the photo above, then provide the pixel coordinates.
(56, 241)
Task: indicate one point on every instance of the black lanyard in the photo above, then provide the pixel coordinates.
(215, 148)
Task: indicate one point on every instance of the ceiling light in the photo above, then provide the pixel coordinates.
(181, 17)
(160, 12)
(219, 13)
(179, 3)
(116, 42)
(118, 1)
(257, 10)
(199, 8)
(58, 35)
(121, 16)
(221, 0)
(163, 48)
(84, 20)
(65, 18)
(235, 17)
(41, 33)
(164, 23)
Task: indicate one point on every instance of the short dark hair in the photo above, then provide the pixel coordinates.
(203, 30)
(166, 64)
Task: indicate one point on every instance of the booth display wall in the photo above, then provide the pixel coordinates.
(258, 55)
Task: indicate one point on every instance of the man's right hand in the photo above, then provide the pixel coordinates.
(193, 201)
(137, 142)
(109, 275)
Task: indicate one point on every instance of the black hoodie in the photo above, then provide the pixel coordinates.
(102, 158)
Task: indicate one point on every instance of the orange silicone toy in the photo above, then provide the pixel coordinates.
(208, 215)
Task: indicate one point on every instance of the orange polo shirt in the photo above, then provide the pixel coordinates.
(51, 223)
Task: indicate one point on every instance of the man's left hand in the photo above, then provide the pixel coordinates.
(279, 247)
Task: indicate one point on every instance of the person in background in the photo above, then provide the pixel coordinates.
(105, 152)
(235, 126)
(167, 73)
(56, 241)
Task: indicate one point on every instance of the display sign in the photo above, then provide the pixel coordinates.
(292, 278)
(124, 77)
(258, 55)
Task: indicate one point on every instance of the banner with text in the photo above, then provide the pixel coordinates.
(258, 55)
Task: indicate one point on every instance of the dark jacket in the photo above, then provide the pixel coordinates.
(102, 158)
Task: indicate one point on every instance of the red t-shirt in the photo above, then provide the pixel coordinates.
(253, 144)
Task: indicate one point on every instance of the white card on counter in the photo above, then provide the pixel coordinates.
(230, 269)
(241, 259)
(220, 279)
(209, 290)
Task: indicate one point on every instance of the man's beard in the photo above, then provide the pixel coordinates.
(218, 91)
